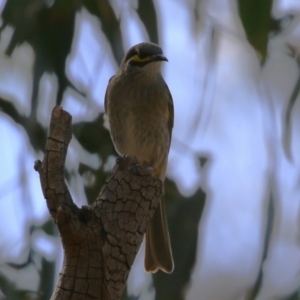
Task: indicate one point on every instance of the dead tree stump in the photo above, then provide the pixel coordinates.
(100, 241)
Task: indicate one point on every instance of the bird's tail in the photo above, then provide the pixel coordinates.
(158, 253)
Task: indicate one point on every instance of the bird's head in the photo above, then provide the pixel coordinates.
(143, 56)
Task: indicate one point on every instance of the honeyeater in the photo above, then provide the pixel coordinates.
(140, 112)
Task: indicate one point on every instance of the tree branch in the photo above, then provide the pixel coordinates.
(100, 241)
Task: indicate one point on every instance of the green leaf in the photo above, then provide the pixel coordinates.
(256, 18)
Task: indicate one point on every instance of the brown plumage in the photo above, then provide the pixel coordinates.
(140, 111)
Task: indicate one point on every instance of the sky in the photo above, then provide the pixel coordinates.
(227, 107)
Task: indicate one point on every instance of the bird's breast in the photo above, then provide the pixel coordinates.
(138, 121)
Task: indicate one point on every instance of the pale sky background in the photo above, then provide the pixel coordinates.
(228, 107)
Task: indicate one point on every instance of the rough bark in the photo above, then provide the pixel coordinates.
(100, 241)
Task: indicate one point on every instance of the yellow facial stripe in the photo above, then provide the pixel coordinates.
(138, 59)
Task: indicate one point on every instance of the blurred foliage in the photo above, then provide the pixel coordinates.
(48, 26)
(183, 219)
(295, 296)
(49, 30)
(256, 18)
(36, 133)
(110, 25)
(146, 12)
(286, 137)
(270, 222)
(47, 275)
(96, 139)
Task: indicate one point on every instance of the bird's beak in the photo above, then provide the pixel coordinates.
(159, 57)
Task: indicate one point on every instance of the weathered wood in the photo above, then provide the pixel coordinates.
(100, 241)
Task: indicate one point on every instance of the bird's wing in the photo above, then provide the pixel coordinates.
(170, 113)
(105, 97)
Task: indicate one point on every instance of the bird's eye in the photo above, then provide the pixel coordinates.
(138, 59)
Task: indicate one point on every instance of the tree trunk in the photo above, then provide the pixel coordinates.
(100, 241)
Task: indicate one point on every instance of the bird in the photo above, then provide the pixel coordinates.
(140, 112)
